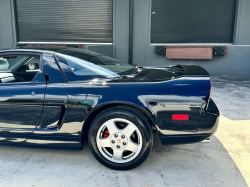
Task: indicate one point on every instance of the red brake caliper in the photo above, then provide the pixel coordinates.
(106, 134)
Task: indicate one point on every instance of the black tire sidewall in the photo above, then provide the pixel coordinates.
(144, 128)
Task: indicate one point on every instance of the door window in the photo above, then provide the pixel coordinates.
(19, 68)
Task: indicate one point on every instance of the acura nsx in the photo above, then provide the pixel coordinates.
(59, 97)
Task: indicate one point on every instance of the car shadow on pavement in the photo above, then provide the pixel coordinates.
(200, 164)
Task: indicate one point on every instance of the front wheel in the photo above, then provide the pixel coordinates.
(120, 138)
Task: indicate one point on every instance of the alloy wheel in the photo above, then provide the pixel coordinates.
(119, 140)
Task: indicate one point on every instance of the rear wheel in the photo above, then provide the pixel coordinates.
(120, 138)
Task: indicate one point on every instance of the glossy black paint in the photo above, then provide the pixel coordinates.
(58, 113)
(16, 105)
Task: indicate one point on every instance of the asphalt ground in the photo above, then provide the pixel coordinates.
(223, 162)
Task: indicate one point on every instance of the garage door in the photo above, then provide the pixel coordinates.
(69, 21)
(192, 21)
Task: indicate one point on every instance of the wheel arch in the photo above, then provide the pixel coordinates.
(95, 111)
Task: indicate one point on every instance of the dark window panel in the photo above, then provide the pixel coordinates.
(192, 21)
(83, 21)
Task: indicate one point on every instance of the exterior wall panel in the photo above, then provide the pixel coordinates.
(6, 29)
(243, 23)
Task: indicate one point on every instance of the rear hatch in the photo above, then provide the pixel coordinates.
(188, 71)
(162, 74)
(159, 74)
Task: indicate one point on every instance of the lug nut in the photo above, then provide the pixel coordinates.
(123, 136)
(116, 135)
(124, 143)
(113, 141)
(118, 146)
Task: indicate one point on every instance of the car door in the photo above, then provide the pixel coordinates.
(21, 102)
(64, 108)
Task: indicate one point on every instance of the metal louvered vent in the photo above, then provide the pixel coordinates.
(64, 21)
(192, 21)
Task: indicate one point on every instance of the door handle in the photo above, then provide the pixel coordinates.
(32, 93)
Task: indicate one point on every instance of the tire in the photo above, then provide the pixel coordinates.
(113, 146)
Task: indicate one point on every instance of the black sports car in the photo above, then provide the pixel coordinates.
(57, 97)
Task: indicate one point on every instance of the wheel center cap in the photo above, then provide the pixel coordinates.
(119, 141)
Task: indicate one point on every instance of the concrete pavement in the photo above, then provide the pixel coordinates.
(234, 135)
(179, 165)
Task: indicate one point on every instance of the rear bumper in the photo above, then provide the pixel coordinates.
(183, 139)
(207, 126)
(209, 119)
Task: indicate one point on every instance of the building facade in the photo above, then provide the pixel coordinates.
(214, 34)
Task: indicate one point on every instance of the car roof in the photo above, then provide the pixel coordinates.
(58, 49)
(44, 48)
(33, 48)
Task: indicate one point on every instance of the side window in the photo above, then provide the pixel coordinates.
(19, 68)
(77, 69)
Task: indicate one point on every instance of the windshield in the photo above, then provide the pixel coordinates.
(103, 61)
